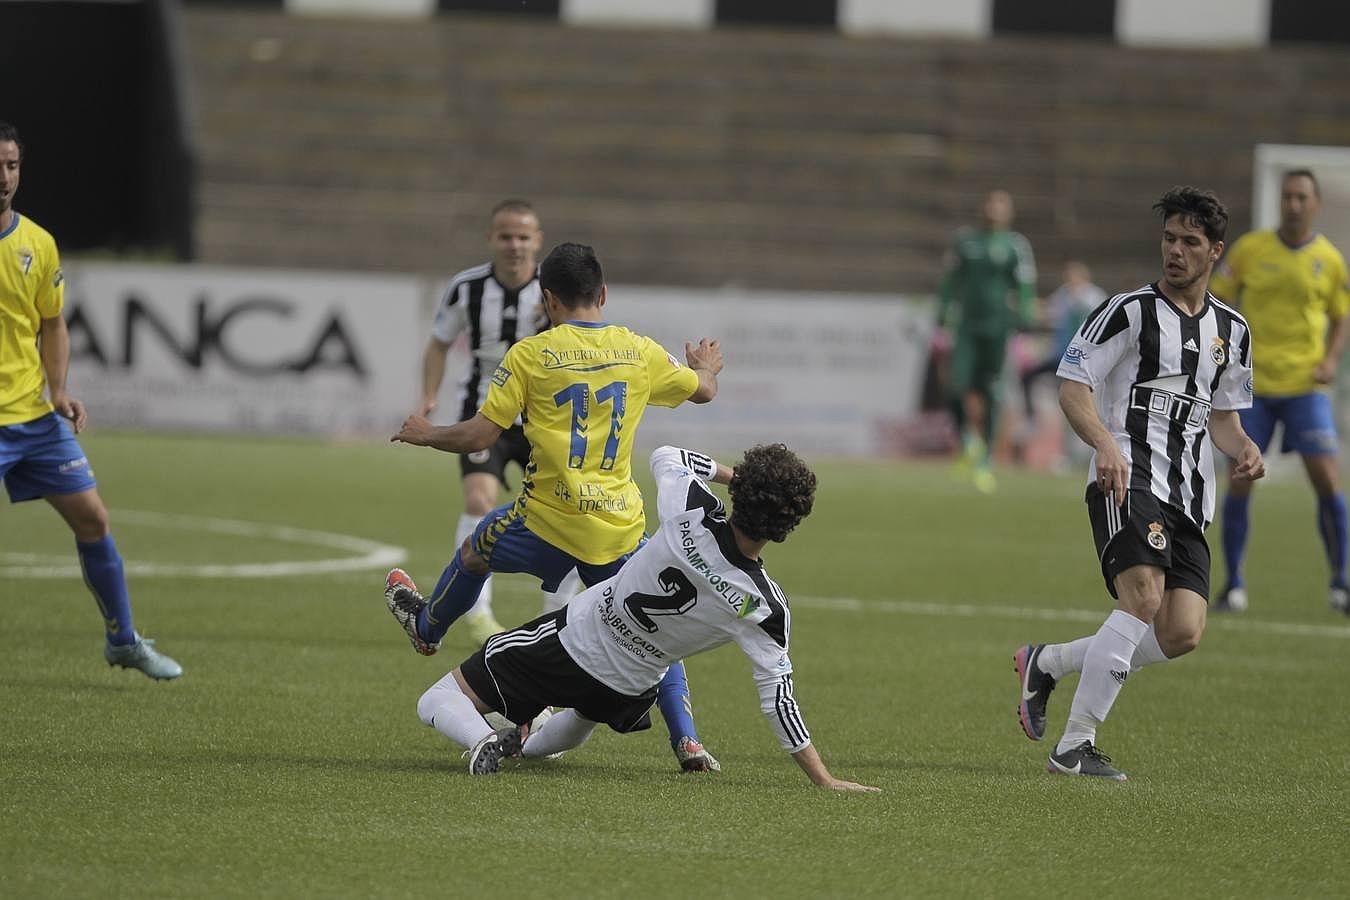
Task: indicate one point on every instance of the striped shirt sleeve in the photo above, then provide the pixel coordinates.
(1100, 343)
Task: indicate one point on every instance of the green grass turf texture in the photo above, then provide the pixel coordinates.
(289, 760)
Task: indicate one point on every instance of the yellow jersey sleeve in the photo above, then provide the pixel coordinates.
(509, 388)
(672, 382)
(1339, 305)
(49, 298)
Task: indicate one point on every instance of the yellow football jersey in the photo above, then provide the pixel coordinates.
(1288, 295)
(582, 388)
(31, 290)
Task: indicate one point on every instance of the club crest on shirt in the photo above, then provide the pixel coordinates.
(25, 259)
(1156, 539)
(1217, 351)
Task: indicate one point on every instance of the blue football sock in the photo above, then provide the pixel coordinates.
(455, 594)
(1331, 521)
(1235, 521)
(672, 697)
(104, 574)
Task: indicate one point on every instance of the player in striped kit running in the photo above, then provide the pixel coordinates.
(696, 584)
(1151, 379)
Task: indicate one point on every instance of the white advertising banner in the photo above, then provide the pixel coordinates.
(284, 352)
(833, 374)
(339, 353)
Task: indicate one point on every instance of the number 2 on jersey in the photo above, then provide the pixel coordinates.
(678, 600)
(579, 396)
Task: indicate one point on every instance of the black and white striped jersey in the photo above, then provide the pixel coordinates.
(1156, 373)
(687, 590)
(494, 319)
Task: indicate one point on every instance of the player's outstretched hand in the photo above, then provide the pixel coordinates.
(416, 430)
(1250, 464)
(707, 355)
(838, 784)
(72, 409)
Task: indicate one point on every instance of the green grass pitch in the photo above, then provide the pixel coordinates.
(289, 760)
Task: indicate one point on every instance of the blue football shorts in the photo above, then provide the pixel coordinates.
(1309, 424)
(502, 539)
(41, 458)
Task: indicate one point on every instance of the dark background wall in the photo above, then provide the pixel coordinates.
(90, 88)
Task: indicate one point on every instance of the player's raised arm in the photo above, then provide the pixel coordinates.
(675, 470)
(706, 361)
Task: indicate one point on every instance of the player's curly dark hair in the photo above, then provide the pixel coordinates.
(771, 491)
(1197, 208)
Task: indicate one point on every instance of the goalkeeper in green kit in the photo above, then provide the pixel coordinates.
(988, 292)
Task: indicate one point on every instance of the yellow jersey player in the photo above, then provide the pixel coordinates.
(581, 388)
(39, 455)
(1292, 287)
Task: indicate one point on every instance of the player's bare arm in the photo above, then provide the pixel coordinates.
(706, 361)
(54, 347)
(1113, 475)
(1225, 429)
(477, 433)
(433, 373)
(814, 767)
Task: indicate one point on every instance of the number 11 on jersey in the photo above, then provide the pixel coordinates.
(579, 396)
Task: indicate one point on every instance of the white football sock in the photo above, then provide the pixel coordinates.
(1059, 660)
(467, 523)
(1105, 668)
(564, 731)
(450, 711)
(568, 588)
(1148, 652)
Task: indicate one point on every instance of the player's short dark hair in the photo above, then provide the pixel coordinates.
(514, 205)
(1197, 208)
(9, 133)
(1303, 173)
(771, 491)
(572, 273)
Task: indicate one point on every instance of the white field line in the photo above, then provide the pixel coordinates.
(366, 554)
(1027, 613)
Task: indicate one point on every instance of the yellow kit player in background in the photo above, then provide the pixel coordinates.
(1292, 287)
(39, 455)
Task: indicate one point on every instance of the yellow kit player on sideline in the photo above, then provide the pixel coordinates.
(39, 456)
(581, 389)
(1292, 287)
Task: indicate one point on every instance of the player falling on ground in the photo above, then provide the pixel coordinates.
(1292, 285)
(581, 388)
(697, 584)
(495, 304)
(1150, 378)
(39, 455)
(986, 268)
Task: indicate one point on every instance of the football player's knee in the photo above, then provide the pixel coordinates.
(470, 560)
(91, 524)
(1181, 639)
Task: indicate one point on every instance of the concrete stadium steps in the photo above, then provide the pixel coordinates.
(771, 159)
